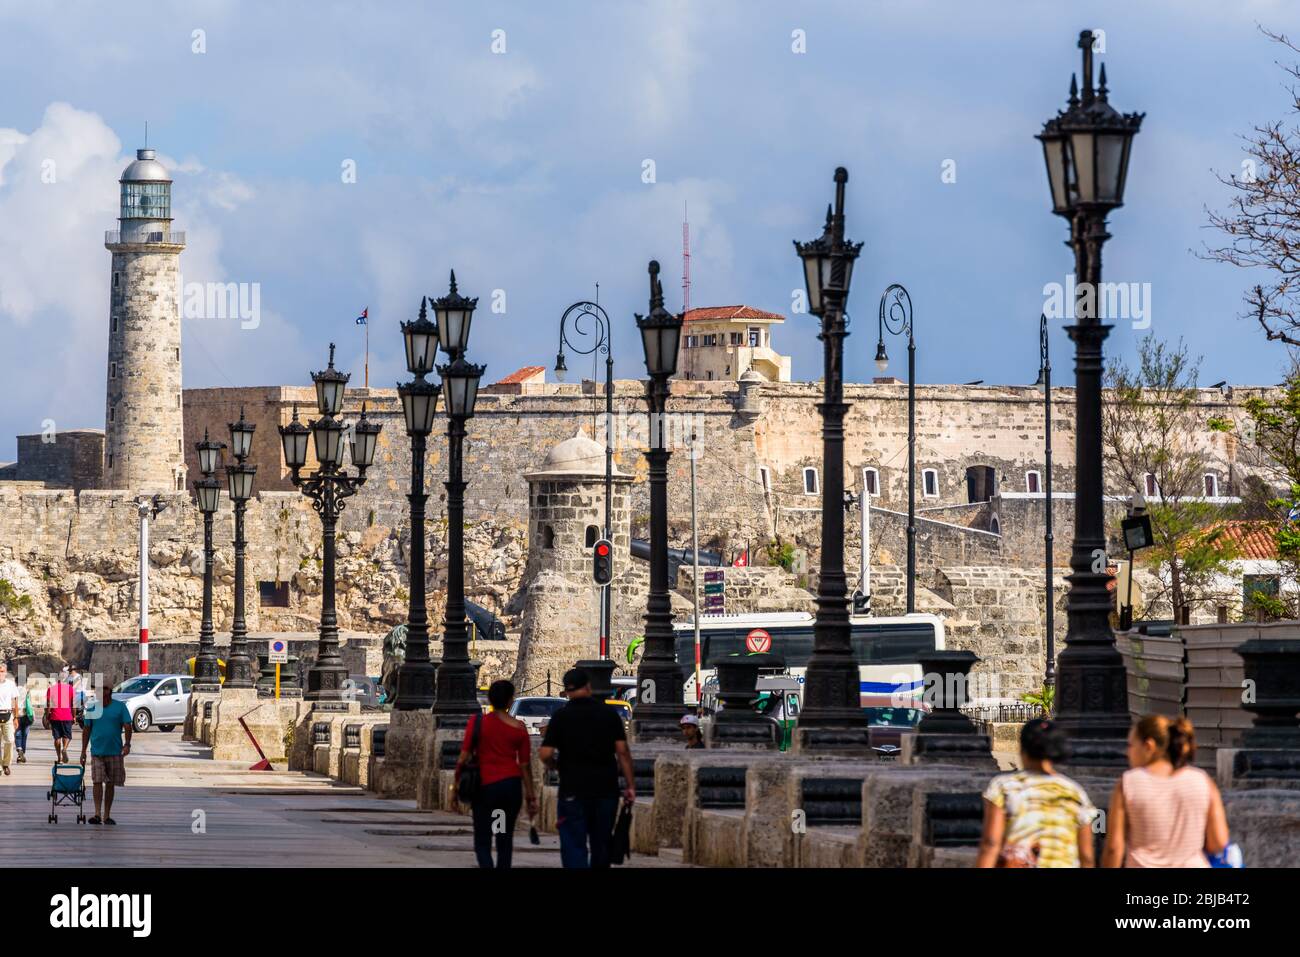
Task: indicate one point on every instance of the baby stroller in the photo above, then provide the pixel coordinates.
(67, 789)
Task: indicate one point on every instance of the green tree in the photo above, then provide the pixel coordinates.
(1273, 424)
(1152, 425)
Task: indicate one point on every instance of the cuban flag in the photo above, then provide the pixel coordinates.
(361, 319)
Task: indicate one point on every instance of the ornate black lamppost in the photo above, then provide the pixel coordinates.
(1045, 383)
(832, 715)
(239, 664)
(1087, 152)
(659, 683)
(327, 488)
(456, 697)
(896, 319)
(207, 670)
(415, 677)
(600, 339)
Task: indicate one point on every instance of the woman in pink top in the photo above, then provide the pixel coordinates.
(1165, 812)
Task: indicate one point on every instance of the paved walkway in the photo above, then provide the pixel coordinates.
(179, 808)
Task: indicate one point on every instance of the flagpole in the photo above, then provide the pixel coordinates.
(367, 350)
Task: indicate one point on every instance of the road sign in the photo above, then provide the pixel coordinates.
(715, 575)
(758, 641)
(277, 651)
(713, 588)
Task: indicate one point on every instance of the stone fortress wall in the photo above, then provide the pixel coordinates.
(74, 555)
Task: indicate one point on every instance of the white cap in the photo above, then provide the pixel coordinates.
(690, 719)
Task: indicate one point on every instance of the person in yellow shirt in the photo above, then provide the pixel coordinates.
(1037, 817)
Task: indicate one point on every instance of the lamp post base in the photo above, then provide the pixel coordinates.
(842, 739)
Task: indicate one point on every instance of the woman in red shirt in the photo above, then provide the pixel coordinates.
(504, 753)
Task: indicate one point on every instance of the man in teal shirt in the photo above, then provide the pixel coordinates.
(102, 734)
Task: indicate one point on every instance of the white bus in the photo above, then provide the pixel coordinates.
(886, 649)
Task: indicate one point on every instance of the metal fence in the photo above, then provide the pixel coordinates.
(1003, 713)
(113, 237)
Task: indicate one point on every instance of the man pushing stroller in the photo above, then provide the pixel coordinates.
(102, 735)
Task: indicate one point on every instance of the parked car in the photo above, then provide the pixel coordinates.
(155, 699)
(535, 712)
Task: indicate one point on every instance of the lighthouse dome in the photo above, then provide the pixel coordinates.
(145, 168)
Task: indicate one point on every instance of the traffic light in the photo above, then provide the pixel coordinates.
(602, 562)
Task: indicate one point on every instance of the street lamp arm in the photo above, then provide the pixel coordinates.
(581, 311)
(896, 316)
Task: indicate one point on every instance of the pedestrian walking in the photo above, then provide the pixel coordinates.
(585, 740)
(59, 702)
(497, 745)
(1037, 817)
(26, 718)
(9, 698)
(1165, 811)
(691, 731)
(102, 736)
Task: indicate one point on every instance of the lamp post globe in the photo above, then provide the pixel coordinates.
(1086, 148)
(454, 314)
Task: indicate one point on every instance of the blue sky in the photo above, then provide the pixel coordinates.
(523, 171)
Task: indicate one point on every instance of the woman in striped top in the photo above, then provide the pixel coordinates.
(1165, 811)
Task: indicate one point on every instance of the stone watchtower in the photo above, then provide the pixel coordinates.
(142, 419)
(566, 516)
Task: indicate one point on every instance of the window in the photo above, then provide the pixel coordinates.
(273, 594)
(995, 526)
(981, 483)
(168, 689)
(593, 535)
(1211, 485)
(110, 459)
(691, 342)
(180, 482)
(810, 484)
(737, 339)
(110, 413)
(871, 481)
(112, 370)
(1265, 586)
(930, 483)
(116, 276)
(709, 374)
(765, 476)
(755, 337)
(1033, 483)
(178, 353)
(113, 325)
(1152, 487)
(548, 537)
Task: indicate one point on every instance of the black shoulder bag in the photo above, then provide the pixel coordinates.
(471, 779)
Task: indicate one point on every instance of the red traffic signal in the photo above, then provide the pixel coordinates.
(602, 564)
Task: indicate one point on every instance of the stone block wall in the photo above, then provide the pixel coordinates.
(73, 459)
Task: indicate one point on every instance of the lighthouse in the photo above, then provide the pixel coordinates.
(143, 434)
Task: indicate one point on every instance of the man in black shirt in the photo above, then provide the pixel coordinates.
(592, 746)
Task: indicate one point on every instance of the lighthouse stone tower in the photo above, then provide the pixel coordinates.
(143, 428)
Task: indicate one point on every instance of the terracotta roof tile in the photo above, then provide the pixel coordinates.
(521, 375)
(732, 312)
(1251, 540)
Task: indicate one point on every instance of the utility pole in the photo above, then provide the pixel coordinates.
(695, 576)
(147, 509)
